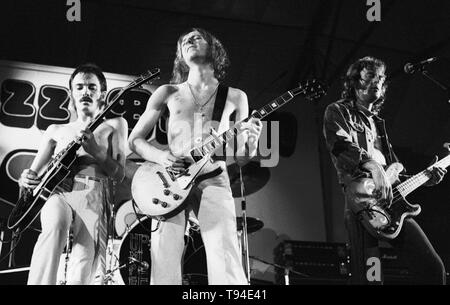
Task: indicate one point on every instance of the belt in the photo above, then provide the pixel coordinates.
(85, 177)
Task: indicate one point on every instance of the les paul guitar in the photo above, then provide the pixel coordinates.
(160, 192)
(381, 218)
(30, 202)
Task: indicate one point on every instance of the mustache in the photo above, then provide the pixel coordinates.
(86, 99)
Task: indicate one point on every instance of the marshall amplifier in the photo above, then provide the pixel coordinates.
(395, 269)
(312, 263)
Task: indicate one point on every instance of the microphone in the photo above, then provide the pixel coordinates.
(142, 264)
(412, 68)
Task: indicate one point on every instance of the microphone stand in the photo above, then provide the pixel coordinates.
(66, 258)
(14, 240)
(434, 80)
(109, 272)
(2, 234)
(108, 278)
(244, 228)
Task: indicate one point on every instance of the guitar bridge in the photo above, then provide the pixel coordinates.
(174, 174)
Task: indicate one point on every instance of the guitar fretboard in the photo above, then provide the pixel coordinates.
(408, 186)
(212, 143)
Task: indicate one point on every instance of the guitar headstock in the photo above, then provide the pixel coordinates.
(144, 78)
(311, 89)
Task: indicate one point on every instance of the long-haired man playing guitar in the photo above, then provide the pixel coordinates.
(359, 147)
(198, 69)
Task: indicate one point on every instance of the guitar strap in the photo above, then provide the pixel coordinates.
(219, 105)
(386, 145)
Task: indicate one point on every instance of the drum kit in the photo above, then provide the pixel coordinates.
(128, 256)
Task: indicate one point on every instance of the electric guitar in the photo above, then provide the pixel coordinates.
(160, 192)
(384, 219)
(30, 202)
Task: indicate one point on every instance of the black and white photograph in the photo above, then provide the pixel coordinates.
(141, 144)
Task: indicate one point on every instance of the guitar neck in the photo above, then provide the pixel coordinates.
(99, 118)
(410, 185)
(145, 78)
(213, 142)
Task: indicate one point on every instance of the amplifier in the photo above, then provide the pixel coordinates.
(395, 270)
(312, 262)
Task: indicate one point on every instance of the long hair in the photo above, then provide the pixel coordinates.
(353, 77)
(216, 55)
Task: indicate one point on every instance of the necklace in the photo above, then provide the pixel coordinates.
(207, 101)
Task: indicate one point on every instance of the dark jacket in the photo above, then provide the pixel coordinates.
(348, 134)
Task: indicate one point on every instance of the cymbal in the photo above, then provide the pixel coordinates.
(253, 224)
(254, 176)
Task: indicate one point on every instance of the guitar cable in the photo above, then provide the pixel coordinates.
(379, 212)
(19, 235)
(371, 210)
(2, 232)
(139, 220)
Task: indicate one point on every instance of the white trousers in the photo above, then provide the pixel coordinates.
(81, 210)
(217, 220)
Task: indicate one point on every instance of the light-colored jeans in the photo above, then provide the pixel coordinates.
(83, 211)
(213, 204)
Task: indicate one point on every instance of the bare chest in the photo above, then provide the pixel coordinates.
(190, 122)
(184, 107)
(66, 134)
